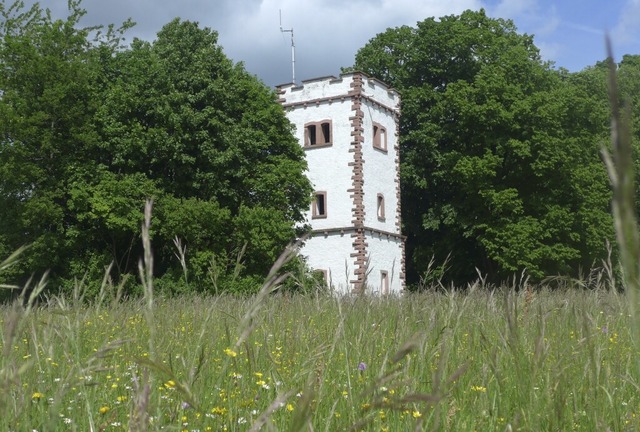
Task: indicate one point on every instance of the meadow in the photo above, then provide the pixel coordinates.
(510, 358)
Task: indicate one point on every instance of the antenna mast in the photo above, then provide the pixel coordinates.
(293, 50)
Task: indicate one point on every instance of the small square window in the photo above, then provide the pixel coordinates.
(384, 282)
(317, 134)
(379, 137)
(319, 205)
(380, 207)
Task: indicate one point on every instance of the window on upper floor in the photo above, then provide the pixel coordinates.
(319, 205)
(318, 134)
(380, 207)
(379, 137)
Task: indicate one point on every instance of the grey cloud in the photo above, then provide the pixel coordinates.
(327, 32)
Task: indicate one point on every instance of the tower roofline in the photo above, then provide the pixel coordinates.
(339, 89)
(340, 78)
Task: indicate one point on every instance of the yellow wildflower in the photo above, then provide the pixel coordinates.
(218, 410)
(103, 410)
(230, 352)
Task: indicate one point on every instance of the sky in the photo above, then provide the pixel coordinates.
(328, 33)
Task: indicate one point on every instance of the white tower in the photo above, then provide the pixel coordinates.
(348, 127)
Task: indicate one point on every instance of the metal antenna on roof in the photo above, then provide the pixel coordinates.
(293, 50)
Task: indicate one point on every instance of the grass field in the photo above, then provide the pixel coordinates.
(482, 360)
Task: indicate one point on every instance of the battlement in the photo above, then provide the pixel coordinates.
(329, 89)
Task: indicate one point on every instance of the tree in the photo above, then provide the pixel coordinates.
(592, 82)
(90, 129)
(48, 97)
(500, 165)
(213, 139)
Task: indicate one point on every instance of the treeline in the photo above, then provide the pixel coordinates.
(501, 168)
(89, 129)
(500, 153)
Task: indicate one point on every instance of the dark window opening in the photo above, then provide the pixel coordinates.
(380, 207)
(326, 133)
(317, 134)
(319, 207)
(311, 135)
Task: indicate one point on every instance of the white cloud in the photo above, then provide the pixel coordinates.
(550, 51)
(627, 30)
(550, 23)
(327, 32)
(513, 8)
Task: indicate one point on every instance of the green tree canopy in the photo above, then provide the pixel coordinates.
(500, 166)
(89, 130)
(49, 69)
(212, 138)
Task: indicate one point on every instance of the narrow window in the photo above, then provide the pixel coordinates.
(384, 282)
(319, 205)
(310, 135)
(380, 207)
(379, 137)
(317, 134)
(326, 133)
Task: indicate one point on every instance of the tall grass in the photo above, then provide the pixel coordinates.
(496, 360)
(620, 167)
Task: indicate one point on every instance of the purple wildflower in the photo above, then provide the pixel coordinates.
(362, 366)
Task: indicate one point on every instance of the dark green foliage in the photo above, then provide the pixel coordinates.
(500, 152)
(592, 82)
(89, 130)
(213, 140)
(45, 128)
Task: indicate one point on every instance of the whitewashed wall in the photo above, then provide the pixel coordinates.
(385, 254)
(331, 253)
(329, 168)
(329, 171)
(379, 170)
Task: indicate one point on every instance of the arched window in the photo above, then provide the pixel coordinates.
(380, 207)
